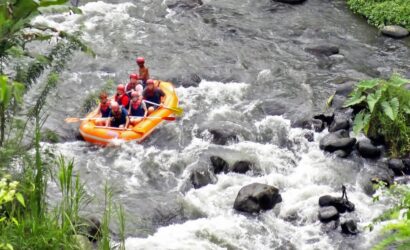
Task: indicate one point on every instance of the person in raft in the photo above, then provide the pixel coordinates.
(133, 85)
(137, 108)
(121, 97)
(144, 72)
(104, 108)
(153, 94)
(118, 116)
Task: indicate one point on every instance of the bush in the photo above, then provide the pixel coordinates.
(384, 112)
(383, 12)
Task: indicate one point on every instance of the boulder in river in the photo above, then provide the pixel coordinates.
(327, 214)
(345, 88)
(398, 167)
(290, 1)
(309, 136)
(222, 137)
(373, 174)
(394, 31)
(323, 50)
(349, 227)
(340, 121)
(318, 125)
(342, 205)
(338, 140)
(341, 153)
(326, 117)
(368, 150)
(242, 167)
(200, 178)
(219, 165)
(93, 229)
(256, 197)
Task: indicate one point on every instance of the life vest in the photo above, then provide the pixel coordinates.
(136, 108)
(153, 95)
(129, 89)
(122, 100)
(119, 118)
(105, 109)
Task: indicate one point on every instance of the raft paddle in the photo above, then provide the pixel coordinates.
(76, 119)
(155, 117)
(114, 128)
(176, 110)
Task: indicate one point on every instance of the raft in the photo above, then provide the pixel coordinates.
(95, 134)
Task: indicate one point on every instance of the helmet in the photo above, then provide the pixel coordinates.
(134, 76)
(150, 81)
(134, 94)
(115, 106)
(140, 60)
(120, 87)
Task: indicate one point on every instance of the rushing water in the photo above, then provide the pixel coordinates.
(257, 79)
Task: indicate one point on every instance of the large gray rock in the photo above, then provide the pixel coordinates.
(345, 88)
(368, 150)
(290, 1)
(373, 174)
(394, 31)
(338, 140)
(349, 227)
(327, 214)
(256, 197)
(93, 229)
(323, 50)
(200, 178)
(398, 167)
(219, 165)
(340, 204)
(340, 121)
(242, 167)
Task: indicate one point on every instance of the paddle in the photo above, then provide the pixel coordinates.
(76, 119)
(155, 117)
(178, 111)
(114, 128)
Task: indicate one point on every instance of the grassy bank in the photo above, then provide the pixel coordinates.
(383, 12)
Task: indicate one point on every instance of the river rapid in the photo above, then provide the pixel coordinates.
(238, 66)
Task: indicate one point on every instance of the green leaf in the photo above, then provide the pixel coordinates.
(355, 99)
(368, 84)
(45, 3)
(15, 221)
(373, 98)
(397, 81)
(361, 122)
(18, 91)
(391, 108)
(20, 199)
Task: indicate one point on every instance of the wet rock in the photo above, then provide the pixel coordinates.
(345, 88)
(394, 31)
(273, 107)
(304, 123)
(93, 229)
(368, 150)
(242, 167)
(340, 121)
(309, 136)
(338, 140)
(325, 117)
(341, 153)
(191, 80)
(342, 205)
(397, 166)
(183, 4)
(373, 174)
(219, 165)
(349, 227)
(327, 214)
(222, 137)
(200, 178)
(256, 197)
(290, 1)
(323, 50)
(406, 162)
(318, 125)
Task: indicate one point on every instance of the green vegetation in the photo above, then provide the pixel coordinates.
(396, 233)
(383, 12)
(384, 112)
(27, 221)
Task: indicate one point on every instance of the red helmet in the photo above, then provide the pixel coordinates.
(150, 81)
(140, 60)
(134, 76)
(120, 87)
(115, 106)
(134, 94)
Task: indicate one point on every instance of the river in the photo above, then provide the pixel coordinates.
(241, 65)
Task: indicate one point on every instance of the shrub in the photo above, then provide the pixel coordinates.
(384, 112)
(383, 12)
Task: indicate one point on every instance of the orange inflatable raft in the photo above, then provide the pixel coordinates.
(104, 136)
